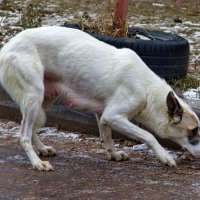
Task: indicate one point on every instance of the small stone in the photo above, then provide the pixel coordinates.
(177, 20)
(8, 126)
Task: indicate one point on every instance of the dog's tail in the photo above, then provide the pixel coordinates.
(22, 77)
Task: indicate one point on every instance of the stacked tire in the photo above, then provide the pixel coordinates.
(164, 53)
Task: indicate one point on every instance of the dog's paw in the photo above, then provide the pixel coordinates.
(118, 156)
(43, 166)
(47, 151)
(165, 158)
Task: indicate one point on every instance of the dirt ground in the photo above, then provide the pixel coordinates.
(82, 171)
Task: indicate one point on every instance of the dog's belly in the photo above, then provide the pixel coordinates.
(82, 103)
(73, 98)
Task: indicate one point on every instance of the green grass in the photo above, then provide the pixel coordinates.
(190, 81)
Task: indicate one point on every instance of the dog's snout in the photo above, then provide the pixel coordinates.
(194, 136)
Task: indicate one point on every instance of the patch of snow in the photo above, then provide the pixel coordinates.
(169, 183)
(191, 24)
(82, 156)
(158, 4)
(116, 145)
(145, 148)
(192, 93)
(151, 182)
(191, 41)
(196, 34)
(140, 147)
(2, 161)
(195, 186)
(9, 129)
(53, 132)
(17, 158)
(171, 30)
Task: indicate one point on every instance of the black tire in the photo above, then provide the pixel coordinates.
(166, 54)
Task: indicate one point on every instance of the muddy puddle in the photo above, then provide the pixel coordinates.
(82, 171)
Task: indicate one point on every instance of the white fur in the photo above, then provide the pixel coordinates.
(114, 83)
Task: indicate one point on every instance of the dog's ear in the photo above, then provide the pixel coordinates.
(177, 89)
(174, 108)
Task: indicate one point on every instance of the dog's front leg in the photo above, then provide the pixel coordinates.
(115, 116)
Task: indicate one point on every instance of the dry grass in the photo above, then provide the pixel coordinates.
(103, 23)
(32, 14)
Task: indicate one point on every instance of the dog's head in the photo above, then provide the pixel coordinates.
(183, 124)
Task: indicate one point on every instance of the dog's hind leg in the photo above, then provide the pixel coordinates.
(98, 122)
(29, 116)
(22, 77)
(43, 149)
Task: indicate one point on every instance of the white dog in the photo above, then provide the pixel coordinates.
(40, 65)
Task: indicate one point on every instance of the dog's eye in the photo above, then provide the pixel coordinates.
(177, 118)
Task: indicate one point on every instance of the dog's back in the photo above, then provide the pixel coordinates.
(70, 55)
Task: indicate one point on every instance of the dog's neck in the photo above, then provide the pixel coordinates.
(154, 116)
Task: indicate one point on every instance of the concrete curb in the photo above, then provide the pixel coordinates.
(58, 115)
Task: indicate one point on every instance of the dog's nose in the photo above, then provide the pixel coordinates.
(194, 141)
(194, 136)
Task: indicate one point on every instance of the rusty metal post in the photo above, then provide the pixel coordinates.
(120, 14)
